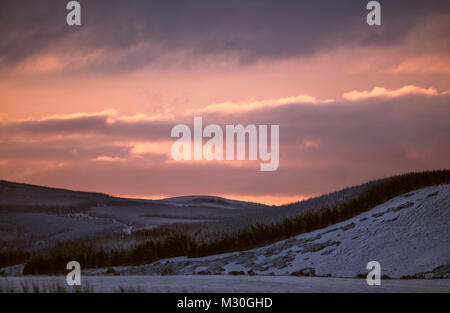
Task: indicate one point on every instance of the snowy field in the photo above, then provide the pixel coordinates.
(409, 235)
(217, 283)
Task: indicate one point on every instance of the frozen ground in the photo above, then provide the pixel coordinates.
(218, 283)
(409, 236)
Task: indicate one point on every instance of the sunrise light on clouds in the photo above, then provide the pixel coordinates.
(92, 108)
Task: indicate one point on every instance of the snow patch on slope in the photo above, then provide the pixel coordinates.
(409, 235)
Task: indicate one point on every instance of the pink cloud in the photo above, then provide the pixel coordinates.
(322, 148)
(252, 104)
(106, 158)
(384, 92)
(438, 63)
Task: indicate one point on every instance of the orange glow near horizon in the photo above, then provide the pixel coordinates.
(268, 200)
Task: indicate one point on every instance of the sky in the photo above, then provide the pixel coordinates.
(91, 107)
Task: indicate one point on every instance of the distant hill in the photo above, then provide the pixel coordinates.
(34, 217)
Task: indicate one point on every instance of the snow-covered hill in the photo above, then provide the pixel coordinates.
(408, 235)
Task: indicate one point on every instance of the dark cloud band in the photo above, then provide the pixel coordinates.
(134, 33)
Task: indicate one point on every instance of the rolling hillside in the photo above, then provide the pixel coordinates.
(401, 221)
(33, 217)
(409, 235)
